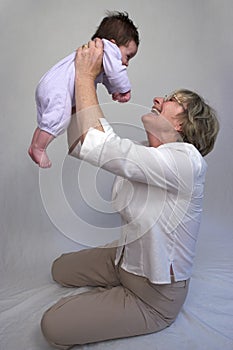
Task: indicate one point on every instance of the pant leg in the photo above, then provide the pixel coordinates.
(165, 300)
(88, 267)
(98, 315)
(129, 306)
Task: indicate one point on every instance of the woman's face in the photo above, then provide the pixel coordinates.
(164, 119)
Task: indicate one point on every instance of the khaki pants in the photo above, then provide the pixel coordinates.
(122, 305)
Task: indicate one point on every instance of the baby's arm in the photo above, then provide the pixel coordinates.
(115, 73)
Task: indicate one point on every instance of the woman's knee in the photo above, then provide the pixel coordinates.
(51, 331)
(58, 270)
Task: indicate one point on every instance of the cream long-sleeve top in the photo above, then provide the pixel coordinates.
(158, 193)
(55, 90)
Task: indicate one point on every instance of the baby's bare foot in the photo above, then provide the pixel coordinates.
(40, 157)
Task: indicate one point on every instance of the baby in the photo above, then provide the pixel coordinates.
(55, 96)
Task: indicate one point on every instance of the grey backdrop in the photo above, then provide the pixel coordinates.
(184, 43)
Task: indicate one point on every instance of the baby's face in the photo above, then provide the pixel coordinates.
(128, 52)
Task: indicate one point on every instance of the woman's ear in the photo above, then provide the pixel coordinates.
(113, 41)
(178, 127)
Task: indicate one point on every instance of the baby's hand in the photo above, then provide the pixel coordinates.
(121, 97)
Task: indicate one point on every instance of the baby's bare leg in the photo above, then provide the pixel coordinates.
(37, 151)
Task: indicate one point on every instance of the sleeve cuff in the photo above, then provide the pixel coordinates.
(91, 148)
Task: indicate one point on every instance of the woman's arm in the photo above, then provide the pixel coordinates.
(88, 64)
(161, 167)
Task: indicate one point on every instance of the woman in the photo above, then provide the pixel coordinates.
(142, 283)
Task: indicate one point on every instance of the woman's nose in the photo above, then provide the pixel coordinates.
(158, 100)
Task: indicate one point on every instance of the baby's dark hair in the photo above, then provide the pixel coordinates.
(118, 26)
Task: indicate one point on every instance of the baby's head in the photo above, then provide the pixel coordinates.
(120, 29)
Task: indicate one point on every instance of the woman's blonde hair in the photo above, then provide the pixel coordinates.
(200, 125)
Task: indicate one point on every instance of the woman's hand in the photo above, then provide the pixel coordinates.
(89, 59)
(88, 64)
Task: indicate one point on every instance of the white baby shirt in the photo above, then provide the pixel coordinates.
(55, 91)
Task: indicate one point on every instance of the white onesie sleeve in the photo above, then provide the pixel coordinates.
(115, 76)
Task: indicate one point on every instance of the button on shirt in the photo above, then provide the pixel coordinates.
(158, 193)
